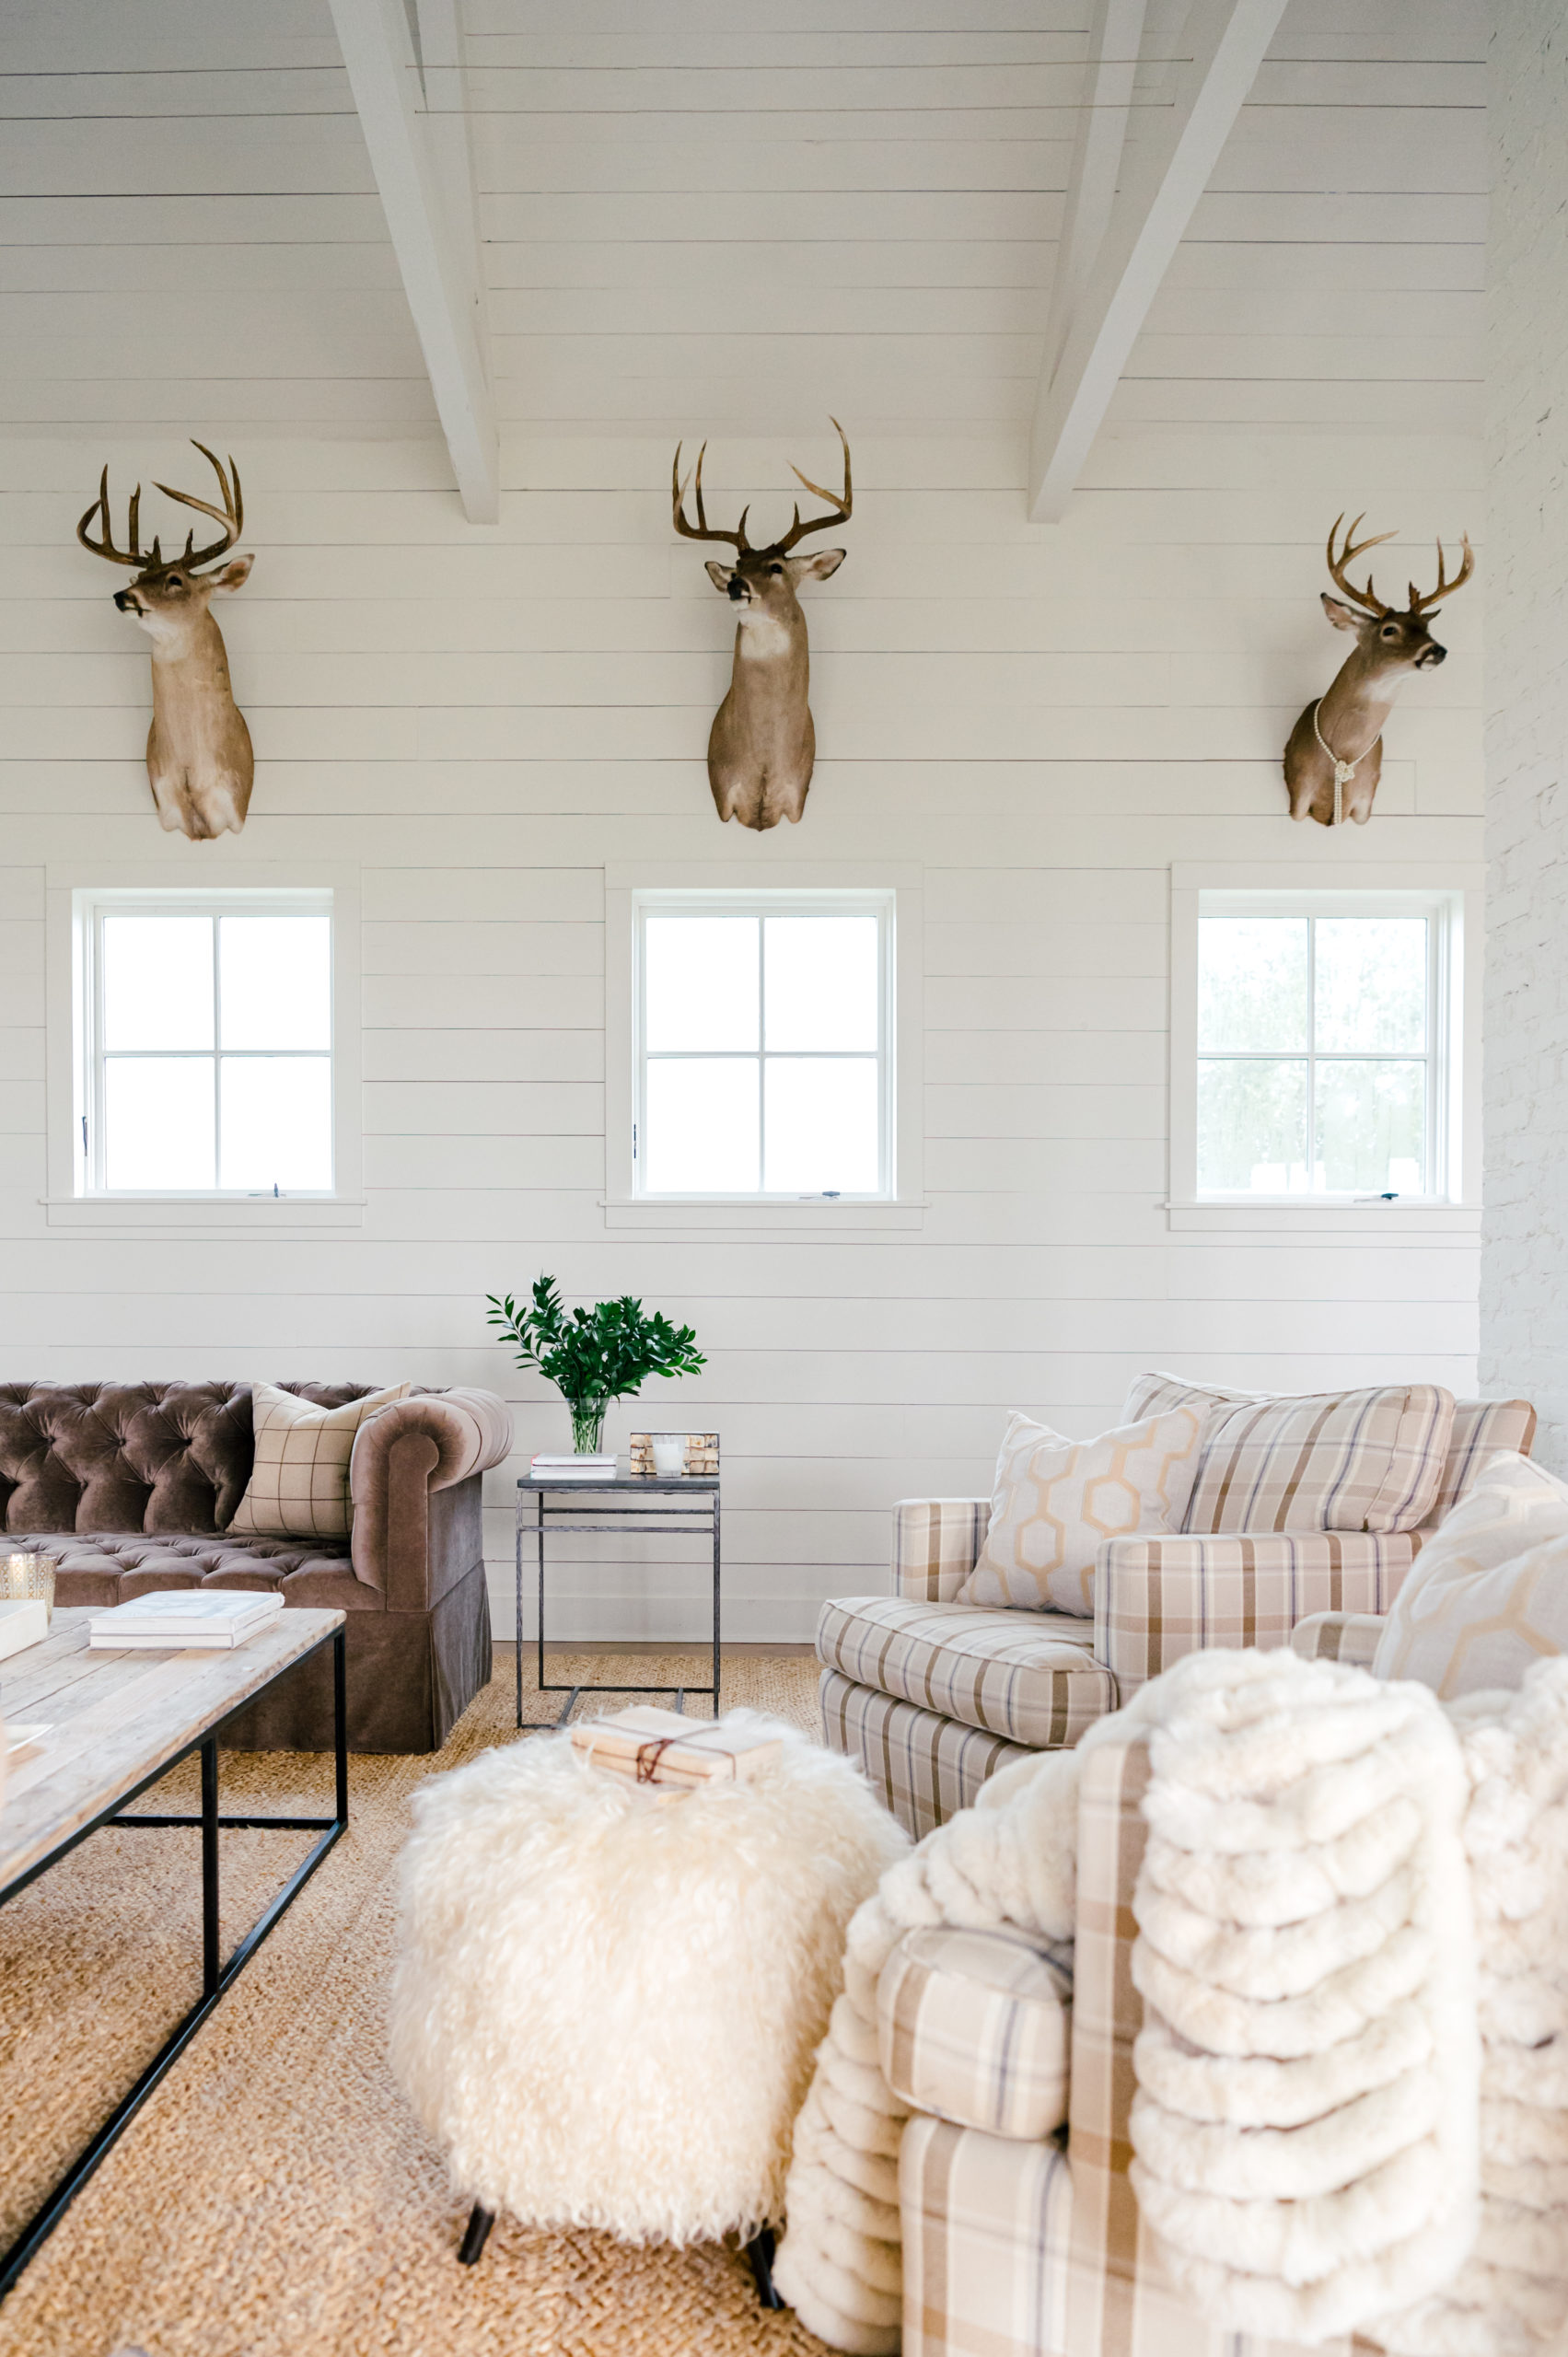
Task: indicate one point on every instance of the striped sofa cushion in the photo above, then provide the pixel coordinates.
(1317, 1460)
(974, 2026)
(1030, 1677)
(926, 1768)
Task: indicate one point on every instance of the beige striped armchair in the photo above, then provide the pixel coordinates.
(933, 1696)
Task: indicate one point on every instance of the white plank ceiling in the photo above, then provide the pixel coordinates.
(716, 215)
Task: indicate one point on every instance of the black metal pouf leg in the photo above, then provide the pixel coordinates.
(476, 2234)
(760, 2251)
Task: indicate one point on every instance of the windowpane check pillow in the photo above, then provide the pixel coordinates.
(298, 1485)
(1488, 1595)
(1056, 1500)
(1316, 1461)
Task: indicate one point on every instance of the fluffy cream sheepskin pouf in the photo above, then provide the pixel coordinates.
(606, 2004)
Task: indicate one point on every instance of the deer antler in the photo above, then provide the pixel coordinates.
(1445, 588)
(231, 515)
(702, 530)
(1368, 598)
(840, 505)
(106, 548)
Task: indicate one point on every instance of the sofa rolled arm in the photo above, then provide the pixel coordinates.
(1348, 1637)
(1156, 1599)
(975, 2025)
(404, 1455)
(937, 1543)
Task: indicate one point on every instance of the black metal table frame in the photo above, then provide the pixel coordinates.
(218, 1977)
(666, 1520)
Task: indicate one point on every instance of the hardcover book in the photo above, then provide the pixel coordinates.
(177, 1617)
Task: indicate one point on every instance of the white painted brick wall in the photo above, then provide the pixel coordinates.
(1524, 1294)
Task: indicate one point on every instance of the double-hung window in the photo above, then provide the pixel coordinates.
(763, 1054)
(205, 1044)
(1325, 1037)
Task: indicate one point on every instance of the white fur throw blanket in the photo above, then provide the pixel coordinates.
(1306, 2120)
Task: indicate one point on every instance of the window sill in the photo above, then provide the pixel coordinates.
(706, 1216)
(247, 1215)
(1299, 1217)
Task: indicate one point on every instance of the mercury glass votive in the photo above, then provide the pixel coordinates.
(24, 1578)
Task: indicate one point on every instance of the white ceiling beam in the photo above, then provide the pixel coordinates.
(1161, 178)
(1116, 34)
(419, 179)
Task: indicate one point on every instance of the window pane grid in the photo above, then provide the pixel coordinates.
(1400, 1110)
(850, 1130)
(196, 1135)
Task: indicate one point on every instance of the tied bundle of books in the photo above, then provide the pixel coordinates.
(215, 1620)
(600, 1466)
(671, 1753)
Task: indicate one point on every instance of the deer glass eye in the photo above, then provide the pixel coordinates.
(775, 568)
(1388, 631)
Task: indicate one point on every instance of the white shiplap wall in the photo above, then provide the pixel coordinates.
(480, 720)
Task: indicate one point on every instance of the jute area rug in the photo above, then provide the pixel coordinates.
(275, 2198)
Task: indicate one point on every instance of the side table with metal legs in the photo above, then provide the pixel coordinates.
(623, 1505)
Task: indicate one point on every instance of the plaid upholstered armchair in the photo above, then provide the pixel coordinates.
(1022, 2236)
(1302, 1504)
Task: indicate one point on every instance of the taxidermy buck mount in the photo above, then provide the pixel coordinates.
(199, 757)
(762, 744)
(1334, 758)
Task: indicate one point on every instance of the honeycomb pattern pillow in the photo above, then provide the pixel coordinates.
(298, 1485)
(1488, 1595)
(1056, 1501)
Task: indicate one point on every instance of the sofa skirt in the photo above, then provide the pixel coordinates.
(925, 1767)
(410, 1677)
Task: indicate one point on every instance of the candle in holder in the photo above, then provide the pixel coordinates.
(27, 1576)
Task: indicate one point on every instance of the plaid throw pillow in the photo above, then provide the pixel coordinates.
(1314, 1460)
(298, 1485)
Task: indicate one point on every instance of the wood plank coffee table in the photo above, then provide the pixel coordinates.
(117, 1722)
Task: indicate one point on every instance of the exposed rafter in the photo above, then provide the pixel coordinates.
(1127, 212)
(1116, 35)
(420, 160)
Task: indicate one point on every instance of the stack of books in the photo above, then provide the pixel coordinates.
(600, 1467)
(648, 1745)
(212, 1618)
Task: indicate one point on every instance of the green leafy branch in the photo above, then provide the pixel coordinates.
(605, 1352)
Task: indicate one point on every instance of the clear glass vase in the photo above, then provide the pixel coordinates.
(587, 1425)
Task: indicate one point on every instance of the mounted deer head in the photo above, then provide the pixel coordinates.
(199, 757)
(762, 744)
(1334, 758)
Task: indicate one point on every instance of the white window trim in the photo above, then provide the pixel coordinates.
(71, 895)
(1456, 891)
(701, 1216)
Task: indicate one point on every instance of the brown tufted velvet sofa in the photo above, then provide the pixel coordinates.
(130, 1487)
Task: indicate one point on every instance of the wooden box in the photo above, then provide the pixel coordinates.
(702, 1453)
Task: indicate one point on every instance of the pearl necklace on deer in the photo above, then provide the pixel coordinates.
(1345, 771)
